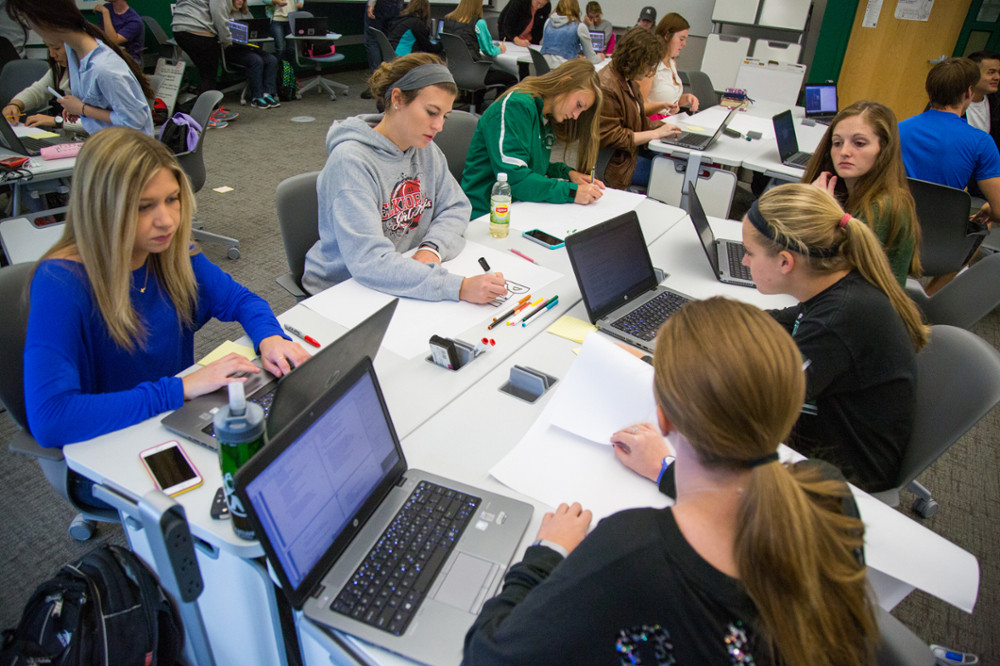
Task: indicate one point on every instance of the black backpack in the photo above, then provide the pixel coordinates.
(107, 608)
(180, 133)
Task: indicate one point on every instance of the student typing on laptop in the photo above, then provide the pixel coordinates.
(707, 578)
(116, 302)
(37, 96)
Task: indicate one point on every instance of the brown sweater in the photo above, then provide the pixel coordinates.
(621, 118)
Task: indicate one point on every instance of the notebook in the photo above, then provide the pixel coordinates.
(699, 141)
(314, 26)
(257, 28)
(617, 281)
(239, 32)
(283, 399)
(333, 488)
(724, 256)
(788, 145)
(597, 39)
(821, 101)
(28, 145)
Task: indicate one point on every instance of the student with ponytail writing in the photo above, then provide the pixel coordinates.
(755, 563)
(855, 326)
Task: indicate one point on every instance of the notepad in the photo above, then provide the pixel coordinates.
(571, 328)
(225, 348)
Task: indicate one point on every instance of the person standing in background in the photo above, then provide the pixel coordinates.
(278, 12)
(123, 26)
(379, 15)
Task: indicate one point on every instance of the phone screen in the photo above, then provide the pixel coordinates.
(169, 467)
(547, 239)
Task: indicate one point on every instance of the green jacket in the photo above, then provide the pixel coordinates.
(513, 137)
(901, 252)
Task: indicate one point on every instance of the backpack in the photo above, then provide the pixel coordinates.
(106, 608)
(159, 111)
(180, 133)
(288, 86)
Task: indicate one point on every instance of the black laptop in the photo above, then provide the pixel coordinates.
(724, 256)
(29, 145)
(788, 145)
(696, 141)
(314, 26)
(257, 28)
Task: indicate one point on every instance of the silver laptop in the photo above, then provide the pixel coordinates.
(28, 145)
(696, 141)
(788, 145)
(619, 286)
(821, 102)
(397, 557)
(284, 399)
(724, 256)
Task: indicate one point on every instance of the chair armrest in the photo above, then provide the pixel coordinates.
(289, 284)
(25, 444)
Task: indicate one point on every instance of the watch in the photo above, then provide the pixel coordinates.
(58, 120)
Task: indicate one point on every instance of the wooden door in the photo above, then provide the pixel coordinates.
(889, 63)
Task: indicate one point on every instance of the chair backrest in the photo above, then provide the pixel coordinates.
(298, 218)
(958, 382)
(17, 75)
(193, 162)
(455, 138)
(700, 85)
(899, 645)
(13, 327)
(966, 299)
(384, 45)
(943, 213)
(539, 61)
(160, 35)
(469, 74)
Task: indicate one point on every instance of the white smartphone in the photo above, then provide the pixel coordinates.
(170, 468)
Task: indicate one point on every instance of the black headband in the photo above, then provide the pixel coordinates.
(766, 230)
(762, 460)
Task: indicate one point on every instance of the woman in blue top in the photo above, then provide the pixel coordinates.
(115, 303)
(565, 36)
(108, 86)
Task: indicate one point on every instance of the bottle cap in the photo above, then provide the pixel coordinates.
(502, 177)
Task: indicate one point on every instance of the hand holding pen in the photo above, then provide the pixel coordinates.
(483, 288)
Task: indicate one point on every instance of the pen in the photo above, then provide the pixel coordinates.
(497, 320)
(308, 338)
(552, 303)
(524, 307)
(592, 175)
(53, 91)
(523, 255)
(484, 264)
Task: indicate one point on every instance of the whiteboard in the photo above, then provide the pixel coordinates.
(735, 11)
(789, 14)
(624, 13)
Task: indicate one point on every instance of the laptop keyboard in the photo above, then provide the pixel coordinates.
(264, 401)
(735, 252)
(388, 586)
(645, 320)
(33, 145)
(800, 159)
(691, 139)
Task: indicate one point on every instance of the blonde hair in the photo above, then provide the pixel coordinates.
(806, 218)
(570, 9)
(391, 71)
(572, 75)
(730, 378)
(468, 11)
(111, 172)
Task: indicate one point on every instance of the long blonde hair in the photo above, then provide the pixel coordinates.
(730, 378)
(572, 75)
(570, 9)
(111, 171)
(805, 218)
(468, 11)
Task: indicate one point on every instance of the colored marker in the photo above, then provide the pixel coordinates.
(592, 175)
(522, 308)
(497, 320)
(308, 338)
(484, 264)
(523, 255)
(545, 306)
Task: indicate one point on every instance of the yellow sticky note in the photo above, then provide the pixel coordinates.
(695, 128)
(43, 135)
(571, 328)
(225, 348)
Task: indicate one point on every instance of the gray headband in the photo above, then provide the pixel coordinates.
(421, 77)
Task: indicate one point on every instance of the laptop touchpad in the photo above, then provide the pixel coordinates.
(462, 584)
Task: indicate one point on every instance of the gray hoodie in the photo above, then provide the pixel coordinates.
(203, 16)
(376, 202)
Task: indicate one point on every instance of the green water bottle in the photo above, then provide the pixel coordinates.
(239, 428)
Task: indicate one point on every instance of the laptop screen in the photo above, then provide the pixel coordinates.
(784, 134)
(821, 100)
(308, 27)
(321, 474)
(239, 32)
(701, 225)
(611, 263)
(597, 37)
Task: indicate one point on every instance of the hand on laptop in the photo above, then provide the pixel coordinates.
(567, 526)
(826, 181)
(641, 448)
(665, 130)
(216, 374)
(279, 355)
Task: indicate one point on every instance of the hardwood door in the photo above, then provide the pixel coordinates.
(889, 63)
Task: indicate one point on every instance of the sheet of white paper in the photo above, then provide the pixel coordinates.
(605, 390)
(415, 321)
(527, 215)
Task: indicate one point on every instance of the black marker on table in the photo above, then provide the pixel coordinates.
(484, 264)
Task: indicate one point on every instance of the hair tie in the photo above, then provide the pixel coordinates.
(844, 220)
(762, 460)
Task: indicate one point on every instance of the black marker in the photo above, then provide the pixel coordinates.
(484, 264)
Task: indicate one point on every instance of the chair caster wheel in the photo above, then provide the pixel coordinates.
(81, 529)
(925, 508)
(233, 253)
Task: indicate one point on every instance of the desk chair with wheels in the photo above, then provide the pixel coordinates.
(539, 61)
(944, 214)
(17, 75)
(455, 138)
(298, 218)
(329, 86)
(234, 69)
(384, 45)
(13, 328)
(469, 73)
(958, 382)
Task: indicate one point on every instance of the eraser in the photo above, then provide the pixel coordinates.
(808, 122)
(754, 134)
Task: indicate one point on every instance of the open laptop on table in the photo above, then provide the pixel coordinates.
(397, 557)
(28, 145)
(314, 26)
(821, 102)
(284, 398)
(724, 256)
(616, 278)
(788, 145)
(696, 141)
(597, 39)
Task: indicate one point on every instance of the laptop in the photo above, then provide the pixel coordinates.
(821, 102)
(239, 32)
(597, 39)
(788, 145)
(696, 141)
(314, 26)
(343, 523)
(29, 145)
(257, 28)
(724, 256)
(283, 399)
(616, 278)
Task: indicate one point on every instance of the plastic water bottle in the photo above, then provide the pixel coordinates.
(500, 207)
(239, 427)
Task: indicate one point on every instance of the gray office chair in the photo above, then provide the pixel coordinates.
(958, 383)
(943, 212)
(972, 295)
(455, 138)
(900, 646)
(330, 86)
(700, 85)
(193, 163)
(13, 328)
(539, 61)
(17, 75)
(165, 46)
(469, 73)
(603, 159)
(298, 218)
(384, 45)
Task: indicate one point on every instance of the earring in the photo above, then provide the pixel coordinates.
(395, 107)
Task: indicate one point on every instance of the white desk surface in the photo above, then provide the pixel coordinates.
(765, 158)
(22, 241)
(513, 55)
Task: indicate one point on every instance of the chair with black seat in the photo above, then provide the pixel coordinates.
(946, 241)
(700, 85)
(330, 86)
(899, 645)
(13, 329)
(384, 45)
(958, 383)
(193, 163)
(469, 73)
(17, 75)
(298, 218)
(539, 61)
(455, 138)
(972, 295)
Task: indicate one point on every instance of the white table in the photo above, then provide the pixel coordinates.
(22, 240)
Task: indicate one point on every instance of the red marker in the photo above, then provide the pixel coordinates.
(308, 338)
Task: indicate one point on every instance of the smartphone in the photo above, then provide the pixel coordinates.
(14, 162)
(170, 468)
(542, 238)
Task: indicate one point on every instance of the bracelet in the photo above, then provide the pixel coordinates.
(83, 109)
(667, 462)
